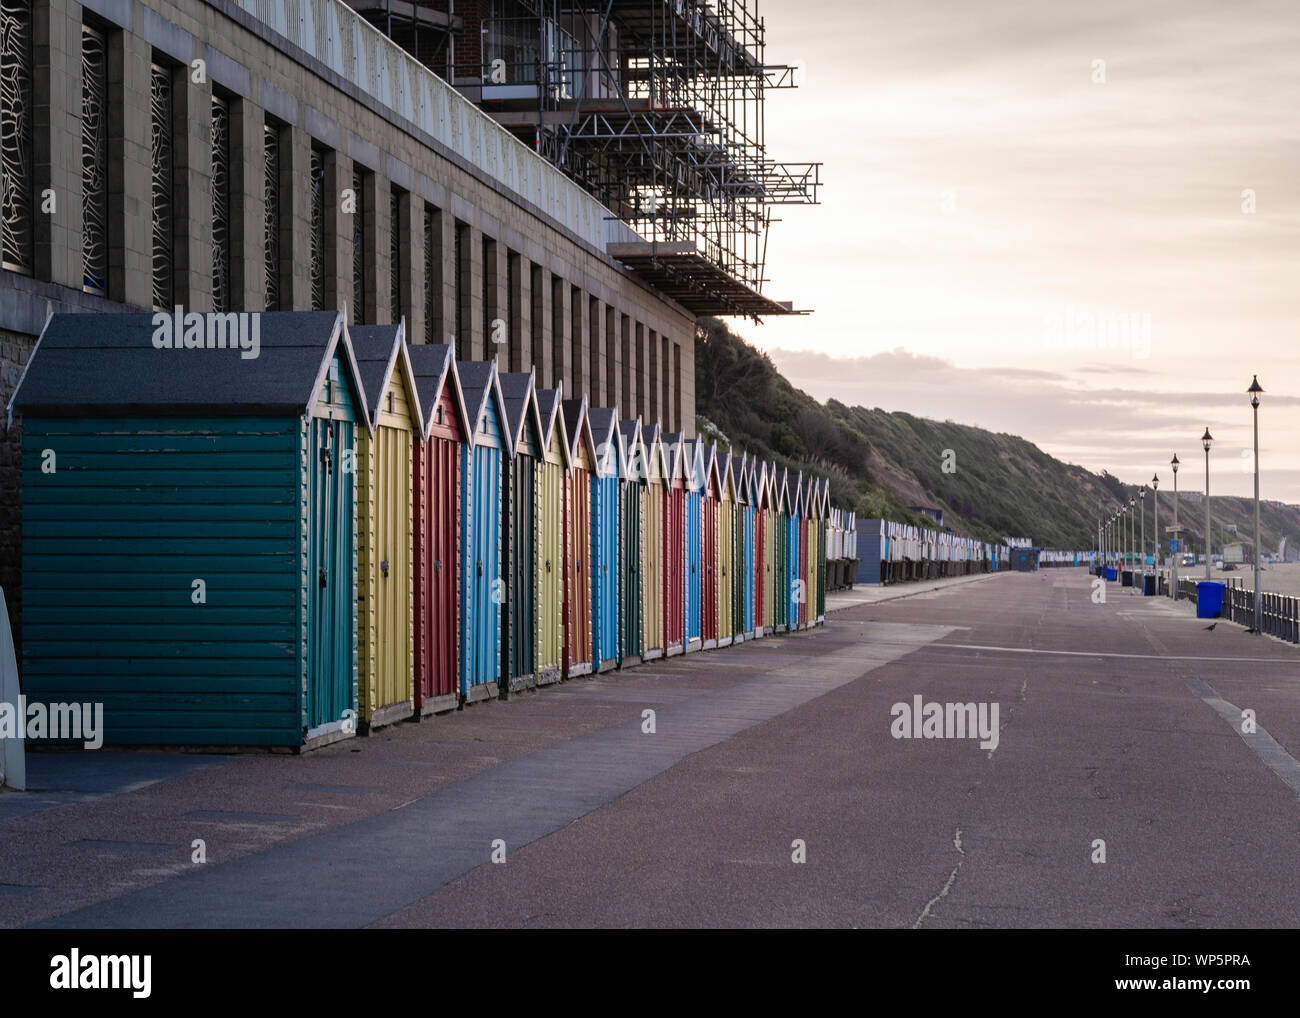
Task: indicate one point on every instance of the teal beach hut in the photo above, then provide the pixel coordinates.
(189, 526)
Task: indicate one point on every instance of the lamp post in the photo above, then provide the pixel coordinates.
(1155, 527)
(1129, 550)
(1206, 439)
(1254, 391)
(1173, 559)
(1142, 546)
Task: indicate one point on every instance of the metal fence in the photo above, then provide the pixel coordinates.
(1280, 613)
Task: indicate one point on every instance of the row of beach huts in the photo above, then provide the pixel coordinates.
(284, 533)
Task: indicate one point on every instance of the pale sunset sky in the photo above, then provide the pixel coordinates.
(1017, 235)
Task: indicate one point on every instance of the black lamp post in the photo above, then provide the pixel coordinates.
(1173, 559)
(1254, 391)
(1206, 439)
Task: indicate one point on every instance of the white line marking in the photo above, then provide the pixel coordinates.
(1279, 761)
(1097, 653)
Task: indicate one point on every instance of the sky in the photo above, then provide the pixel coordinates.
(1076, 222)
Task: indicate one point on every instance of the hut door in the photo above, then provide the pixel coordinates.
(523, 554)
(630, 601)
(330, 576)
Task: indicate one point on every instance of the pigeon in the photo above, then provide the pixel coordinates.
(1211, 625)
(1252, 629)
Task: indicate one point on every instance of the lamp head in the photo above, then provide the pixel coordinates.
(1254, 390)
(1206, 439)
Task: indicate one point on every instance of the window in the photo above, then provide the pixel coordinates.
(462, 270)
(17, 178)
(222, 291)
(94, 160)
(317, 200)
(359, 246)
(395, 255)
(430, 309)
(271, 219)
(163, 240)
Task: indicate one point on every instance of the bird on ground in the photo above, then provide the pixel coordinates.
(1211, 625)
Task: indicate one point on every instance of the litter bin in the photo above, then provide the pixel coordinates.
(1148, 586)
(1128, 578)
(1209, 599)
(1110, 573)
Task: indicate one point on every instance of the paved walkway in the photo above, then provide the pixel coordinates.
(1118, 723)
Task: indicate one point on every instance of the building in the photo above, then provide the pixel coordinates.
(226, 156)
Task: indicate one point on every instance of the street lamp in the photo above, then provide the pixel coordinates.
(1131, 578)
(1155, 527)
(1142, 547)
(1173, 559)
(1254, 391)
(1206, 439)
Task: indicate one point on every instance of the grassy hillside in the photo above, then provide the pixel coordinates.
(989, 485)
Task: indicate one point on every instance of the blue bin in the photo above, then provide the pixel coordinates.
(1148, 586)
(1209, 599)
(1110, 573)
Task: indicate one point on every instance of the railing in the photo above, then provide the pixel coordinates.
(1279, 613)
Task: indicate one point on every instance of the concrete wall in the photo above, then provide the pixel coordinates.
(330, 81)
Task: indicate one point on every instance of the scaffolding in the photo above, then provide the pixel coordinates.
(655, 107)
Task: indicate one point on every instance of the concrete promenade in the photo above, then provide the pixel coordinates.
(1117, 723)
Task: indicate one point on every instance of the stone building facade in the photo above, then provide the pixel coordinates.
(248, 155)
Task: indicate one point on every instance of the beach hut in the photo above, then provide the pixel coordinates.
(674, 456)
(725, 573)
(631, 500)
(796, 586)
(436, 535)
(519, 554)
(578, 588)
(189, 525)
(482, 586)
(385, 479)
(552, 475)
(823, 522)
(781, 556)
(605, 545)
(696, 484)
(711, 495)
(762, 548)
(745, 620)
(653, 559)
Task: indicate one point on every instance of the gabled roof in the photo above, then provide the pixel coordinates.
(797, 495)
(479, 381)
(826, 495)
(759, 482)
(674, 453)
(517, 396)
(726, 473)
(609, 442)
(379, 350)
(108, 363)
(694, 465)
(434, 368)
(634, 465)
(783, 492)
(548, 409)
(656, 463)
(711, 465)
(578, 428)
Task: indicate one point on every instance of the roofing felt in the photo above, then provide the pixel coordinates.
(87, 363)
(516, 390)
(375, 348)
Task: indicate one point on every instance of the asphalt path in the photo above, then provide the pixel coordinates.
(773, 790)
